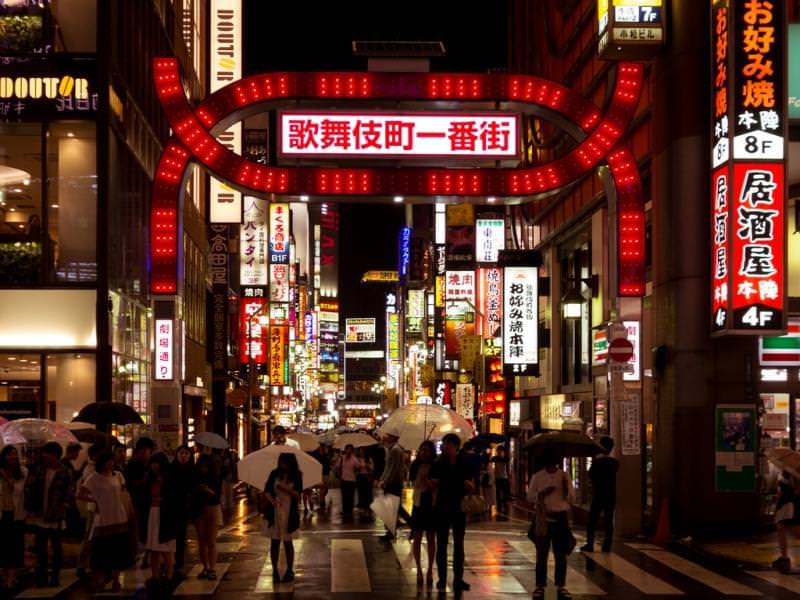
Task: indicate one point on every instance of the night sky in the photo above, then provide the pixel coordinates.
(305, 36)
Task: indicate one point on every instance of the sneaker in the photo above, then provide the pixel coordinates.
(211, 575)
(538, 593)
(461, 586)
(782, 564)
(587, 548)
(287, 577)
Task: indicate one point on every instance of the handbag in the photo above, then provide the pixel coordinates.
(473, 504)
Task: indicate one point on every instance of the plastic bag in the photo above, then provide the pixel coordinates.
(385, 507)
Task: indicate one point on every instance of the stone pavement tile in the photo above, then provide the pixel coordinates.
(633, 575)
(193, 586)
(715, 581)
(67, 579)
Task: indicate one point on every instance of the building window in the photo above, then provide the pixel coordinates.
(71, 379)
(194, 291)
(20, 385)
(72, 200)
(130, 345)
(20, 203)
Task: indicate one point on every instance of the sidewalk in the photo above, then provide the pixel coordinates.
(754, 552)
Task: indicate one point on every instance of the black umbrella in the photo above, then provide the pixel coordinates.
(92, 436)
(105, 413)
(564, 443)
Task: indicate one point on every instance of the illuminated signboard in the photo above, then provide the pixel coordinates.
(520, 320)
(490, 238)
(403, 253)
(395, 134)
(794, 71)
(41, 88)
(393, 336)
(253, 243)
(278, 360)
(630, 28)
(748, 191)
(252, 332)
(633, 366)
(278, 233)
(360, 331)
(225, 63)
(781, 351)
(164, 349)
(415, 311)
(380, 277)
(460, 285)
(600, 347)
(490, 300)
(279, 283)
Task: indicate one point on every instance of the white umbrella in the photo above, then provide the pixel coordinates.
(209, 439)
(35, 432)
(256, 466)
(357, 440)
(415, 423)
(78, 426)
(307, 441)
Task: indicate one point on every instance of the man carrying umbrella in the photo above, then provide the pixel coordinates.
(394, 474)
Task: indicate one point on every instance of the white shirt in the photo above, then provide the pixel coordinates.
(555, 501)
(289, 442)
(107, 492)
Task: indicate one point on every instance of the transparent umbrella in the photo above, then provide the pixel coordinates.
(357, 440)
(307, 441)
(35, 432)
(256, 466)
(415, 423)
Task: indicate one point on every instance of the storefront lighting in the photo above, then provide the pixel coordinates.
(303, 198)
(70, 134)
(54, 206)
(491, 200)
(398, 199)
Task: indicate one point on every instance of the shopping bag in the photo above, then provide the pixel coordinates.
(385, 507)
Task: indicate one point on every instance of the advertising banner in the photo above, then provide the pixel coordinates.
(490, 238)
(520, 320)
(251, 329)
(278, 359)
(360, 331)
(253, 243)
(735, 447)
(279, 233)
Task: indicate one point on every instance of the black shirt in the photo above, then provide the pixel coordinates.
(451, 478)
(603, 474)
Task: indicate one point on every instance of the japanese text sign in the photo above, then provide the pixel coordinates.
(460, 285)
(252, 332)
(253, 243)
(279, 283)
(520, 320)
(748, 192)
(626, 28)
(490, 300)
(403, 253)
(396, 134)
(164, 349)
(279, 234)
(278, 350)
(360, 331)
(490, 238)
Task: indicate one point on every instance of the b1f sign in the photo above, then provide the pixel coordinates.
(164, 349)
(399, 135)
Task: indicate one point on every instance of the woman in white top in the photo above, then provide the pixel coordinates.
(12, 519)
(111, 541)
(552, 494)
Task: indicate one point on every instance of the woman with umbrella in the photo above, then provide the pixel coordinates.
(164, 511)
(282, 512)
(183, 477)
(12, 519)
(552, 494)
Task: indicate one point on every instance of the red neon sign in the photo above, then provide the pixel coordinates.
(194, 131)
(398, 134)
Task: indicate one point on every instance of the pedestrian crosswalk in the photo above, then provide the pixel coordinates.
(347, 562)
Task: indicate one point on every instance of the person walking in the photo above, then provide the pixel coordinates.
(488, 485)
(552, 494)
(111, 546)
(502, 483)
(787, 520)
(228, 473)
(183, 474)
(71, 464)
(323, 455)
(423, 519)
(394, 474)
(12, 516)
(161, 518)
(206, 495)
(452, 479)
(136, 483)
(348, 466)
(48, 492)
(364, 480)
(603, 475)
(87, 510)
(282, 513)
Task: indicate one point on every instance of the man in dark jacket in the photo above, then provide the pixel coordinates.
(48, 491)
(603, 475)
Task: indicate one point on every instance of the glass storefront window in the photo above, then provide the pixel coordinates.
(72, 200)
(71, 382)
(130, 330)
(20, 202)
(20, 387)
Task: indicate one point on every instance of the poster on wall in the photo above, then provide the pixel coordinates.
(735, 444)
(630, 412)
(465, 400)
(253, 243)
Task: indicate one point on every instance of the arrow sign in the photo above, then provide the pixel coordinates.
(620, 350)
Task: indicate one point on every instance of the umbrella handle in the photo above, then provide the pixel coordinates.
(428, 435)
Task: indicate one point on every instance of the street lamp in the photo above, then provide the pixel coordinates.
(572, 301)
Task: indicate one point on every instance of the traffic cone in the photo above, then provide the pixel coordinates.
(663, 531)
